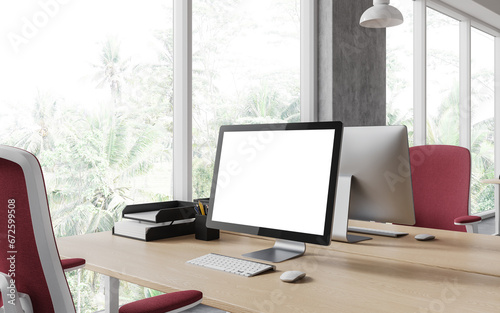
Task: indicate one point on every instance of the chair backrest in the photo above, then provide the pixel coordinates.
(441, 185)
(28, 249)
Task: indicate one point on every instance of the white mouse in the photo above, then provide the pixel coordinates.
(292, 276)
(424, 237)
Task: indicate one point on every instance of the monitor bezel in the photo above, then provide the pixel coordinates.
(323, 239)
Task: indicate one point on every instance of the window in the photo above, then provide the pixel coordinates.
(90, 92)
(400, 70)
(93, 103)
(93, 100)
(87, 87)
(246, 69)
(442, 79)
(482, 120)
(449, 118)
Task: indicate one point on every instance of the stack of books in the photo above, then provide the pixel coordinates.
(152, 221)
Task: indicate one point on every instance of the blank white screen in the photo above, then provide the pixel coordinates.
(275, 179)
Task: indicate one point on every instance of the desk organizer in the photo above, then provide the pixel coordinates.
(152, 221)
(160, 212)
(201, 232)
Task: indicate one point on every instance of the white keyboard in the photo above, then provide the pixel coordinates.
(231, 265)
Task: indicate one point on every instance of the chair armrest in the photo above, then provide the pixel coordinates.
(467, 219)
(72, 264)
(170, 302)
(10, 297)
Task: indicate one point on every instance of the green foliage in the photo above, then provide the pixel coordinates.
(203, 182)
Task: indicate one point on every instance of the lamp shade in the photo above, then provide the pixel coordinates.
(381, 15)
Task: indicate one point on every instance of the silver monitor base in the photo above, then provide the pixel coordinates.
(378, 232)
(281, 251)
(354, 238)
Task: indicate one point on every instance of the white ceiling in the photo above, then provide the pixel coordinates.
(485, 10)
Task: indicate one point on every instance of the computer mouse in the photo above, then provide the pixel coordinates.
(424, 237)
(292, 276)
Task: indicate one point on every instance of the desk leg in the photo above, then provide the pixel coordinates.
(112, 291)
(497, 213)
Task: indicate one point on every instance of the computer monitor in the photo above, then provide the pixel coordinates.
(279, 181)
(374, 180)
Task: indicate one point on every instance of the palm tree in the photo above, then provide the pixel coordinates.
(266, 104)
(112, 69)
(106, 154)
(108, 149)
(40, 132)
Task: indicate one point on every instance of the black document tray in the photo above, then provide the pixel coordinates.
(167, 211)
(164, 232)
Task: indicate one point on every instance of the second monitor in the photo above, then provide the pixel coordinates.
(374, 180)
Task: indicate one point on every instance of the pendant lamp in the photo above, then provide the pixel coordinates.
(381, 15)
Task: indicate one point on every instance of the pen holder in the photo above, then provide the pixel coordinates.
(201, 232)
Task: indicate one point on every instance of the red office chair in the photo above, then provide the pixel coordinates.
(31, 273)
(441, 184)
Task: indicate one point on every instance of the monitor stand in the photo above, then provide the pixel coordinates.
(341, 217)
(281, 251)
(341, 212)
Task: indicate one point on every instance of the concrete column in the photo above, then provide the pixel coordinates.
(351, 65)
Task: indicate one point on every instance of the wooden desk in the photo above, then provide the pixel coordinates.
(461, 251)
(381, 275)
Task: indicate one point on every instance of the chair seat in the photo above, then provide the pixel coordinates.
(164, 303)
(72, 264)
